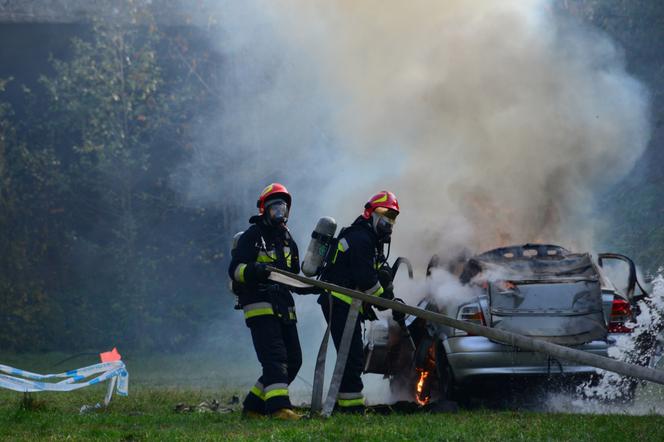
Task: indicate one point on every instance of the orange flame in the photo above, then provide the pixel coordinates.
(420, 389)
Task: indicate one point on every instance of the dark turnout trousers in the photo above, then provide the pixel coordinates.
(278, 349)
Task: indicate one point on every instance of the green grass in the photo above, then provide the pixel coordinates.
(148, 414)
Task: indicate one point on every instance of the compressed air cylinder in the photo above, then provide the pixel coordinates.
(319, 246)
(236, 238)
(232, 284)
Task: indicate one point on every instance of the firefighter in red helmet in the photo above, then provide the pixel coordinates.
(268, 307)
(359, 263)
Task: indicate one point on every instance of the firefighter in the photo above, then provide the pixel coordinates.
(359, 263)
(268, 307)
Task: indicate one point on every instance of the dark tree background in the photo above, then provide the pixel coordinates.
(636, 206)
(96, 248)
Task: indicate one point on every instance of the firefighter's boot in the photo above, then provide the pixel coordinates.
(286, 414)
(250, 414)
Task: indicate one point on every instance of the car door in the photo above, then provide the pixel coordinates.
(621, 271)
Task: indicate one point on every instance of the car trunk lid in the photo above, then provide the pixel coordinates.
(556, 300)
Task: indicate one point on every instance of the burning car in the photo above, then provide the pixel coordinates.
(538, 290)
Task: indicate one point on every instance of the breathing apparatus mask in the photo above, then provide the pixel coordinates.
(382, 220)
(276, 212)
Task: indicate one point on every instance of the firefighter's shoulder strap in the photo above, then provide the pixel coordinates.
(259, 244)
(254, 231)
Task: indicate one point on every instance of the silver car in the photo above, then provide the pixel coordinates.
(538, 290)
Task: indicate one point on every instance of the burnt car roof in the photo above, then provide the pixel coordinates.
(531, 261)
(527, 251)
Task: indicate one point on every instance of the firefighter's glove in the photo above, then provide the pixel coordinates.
(385, 275)
(256, 272)
(368, 312)
(307, 290)
(388, 293)
(398, 316)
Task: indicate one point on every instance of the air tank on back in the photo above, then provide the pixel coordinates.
(232, 285)
(321, 238)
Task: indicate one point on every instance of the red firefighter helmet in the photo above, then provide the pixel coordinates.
(383, 199)
(274, 190)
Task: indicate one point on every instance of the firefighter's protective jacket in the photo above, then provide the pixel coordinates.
(354, 263)
(273, 246)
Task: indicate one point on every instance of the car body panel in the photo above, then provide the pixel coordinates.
(477, 356)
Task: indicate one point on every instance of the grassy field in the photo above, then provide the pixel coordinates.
(148, 413)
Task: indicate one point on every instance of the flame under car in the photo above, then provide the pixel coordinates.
(538, 290)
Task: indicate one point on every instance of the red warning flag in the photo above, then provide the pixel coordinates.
(110, 356)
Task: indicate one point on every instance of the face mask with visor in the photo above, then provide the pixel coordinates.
(277, 212)
(383, 220)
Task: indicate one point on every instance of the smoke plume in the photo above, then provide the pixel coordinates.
(493, 121)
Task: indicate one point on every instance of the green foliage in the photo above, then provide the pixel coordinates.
(109, 97)
(636, 228)
(97, 250)
(25, 176)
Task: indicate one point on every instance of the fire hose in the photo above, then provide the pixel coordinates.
(505, 337)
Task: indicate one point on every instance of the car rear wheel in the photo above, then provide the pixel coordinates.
(446, 386)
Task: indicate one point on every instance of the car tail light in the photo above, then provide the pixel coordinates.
(621, 312)
(470, 313)
(505, 286)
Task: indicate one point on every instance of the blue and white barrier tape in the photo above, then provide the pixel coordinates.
(25, 381)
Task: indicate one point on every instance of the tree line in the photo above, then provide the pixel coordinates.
(96, 247)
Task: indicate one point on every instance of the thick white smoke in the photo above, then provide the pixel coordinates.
(493, 121)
